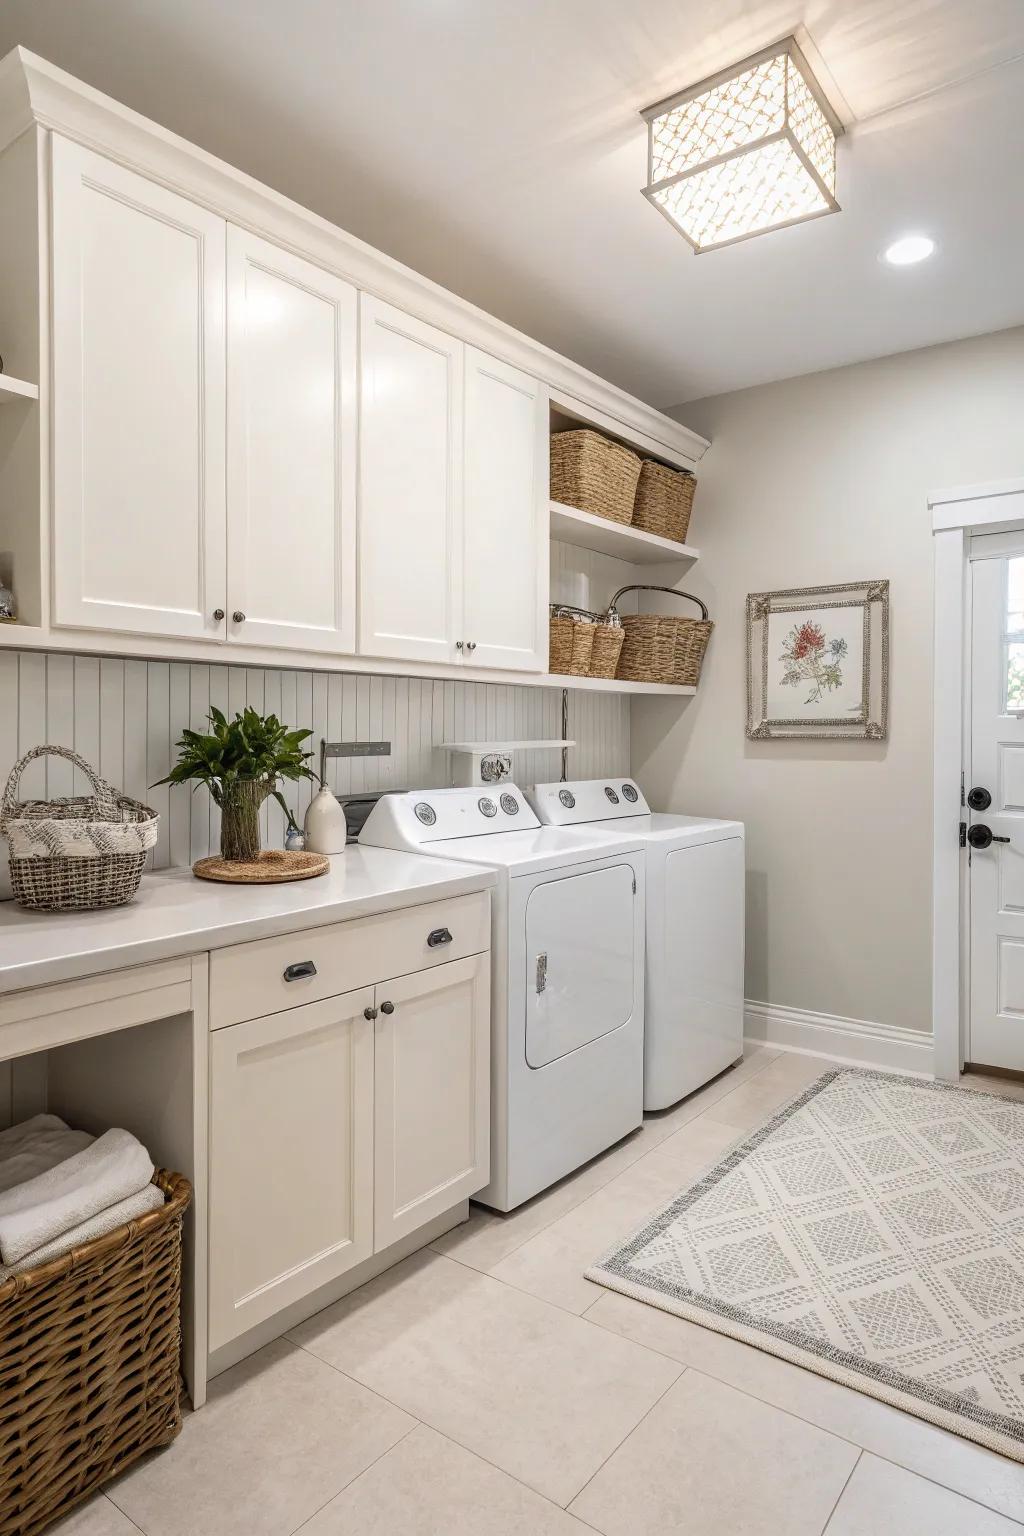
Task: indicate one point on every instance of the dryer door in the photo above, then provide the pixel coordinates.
(580, 961)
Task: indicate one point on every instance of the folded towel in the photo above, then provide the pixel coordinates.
(34, 1146)
(147, 1199)
(113, 1167)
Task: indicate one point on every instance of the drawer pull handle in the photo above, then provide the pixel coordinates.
(438, 936)
(388, 1008)
(299, 971)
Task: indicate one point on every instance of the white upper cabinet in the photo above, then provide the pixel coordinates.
(138, 403)
(505, 611)
(410, 510)
(291, 450)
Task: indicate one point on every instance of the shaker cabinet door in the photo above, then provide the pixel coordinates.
(432, 1092)
(138, 403)
(291, 1157)
(506, 517)
(410, 512)
(291, 455)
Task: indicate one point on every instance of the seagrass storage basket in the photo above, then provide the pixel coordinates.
(75, 853)
(593, 474)
(664, 501)
(89, 1364)
(608, 642)
(571, 641)
(661, 648)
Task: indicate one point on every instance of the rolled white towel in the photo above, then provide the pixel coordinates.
(147, 1199)
(32, 1214)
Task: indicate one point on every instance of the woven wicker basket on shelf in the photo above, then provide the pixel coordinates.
(571, 642)
(661, 648)
(89, 1364)
(593, 474)
(608, 642)
(664, 501)
(75, 853)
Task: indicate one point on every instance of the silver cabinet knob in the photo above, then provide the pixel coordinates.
(218, 614)
(238, 617)
(458, 645)
(470, 645)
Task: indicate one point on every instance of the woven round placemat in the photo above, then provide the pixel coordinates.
(272, 867)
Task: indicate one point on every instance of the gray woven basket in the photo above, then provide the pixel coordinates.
(78, 852)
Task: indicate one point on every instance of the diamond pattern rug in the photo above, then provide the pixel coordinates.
(872, 1231)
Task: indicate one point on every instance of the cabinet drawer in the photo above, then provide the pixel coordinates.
(248, 981)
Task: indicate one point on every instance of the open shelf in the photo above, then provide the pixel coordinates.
(16, 389)
(614, 685)
(503, 746)
(571, 526)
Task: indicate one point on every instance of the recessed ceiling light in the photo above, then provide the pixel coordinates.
(911, 249)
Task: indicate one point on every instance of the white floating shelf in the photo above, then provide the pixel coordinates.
(16, 389)
(571, 526)
(614, 685)
(504, 746)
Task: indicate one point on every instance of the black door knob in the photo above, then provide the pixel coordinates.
(387, 1008)
(981, 836)
(979, 799)
(369, 1013)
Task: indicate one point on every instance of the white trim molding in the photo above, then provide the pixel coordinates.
(956, 514)
(853, 1041)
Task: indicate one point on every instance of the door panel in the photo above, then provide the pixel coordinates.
(138, 402)
(996, 763)
(410, 520)
(291, 450)
(432, 1090)
(506, 516)
(579, 961)
(291, 1157)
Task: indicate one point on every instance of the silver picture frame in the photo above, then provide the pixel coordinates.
(870, 721)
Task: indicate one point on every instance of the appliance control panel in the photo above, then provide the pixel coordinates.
(563, 805)
(417, 817)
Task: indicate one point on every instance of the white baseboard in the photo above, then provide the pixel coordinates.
(853, 1041)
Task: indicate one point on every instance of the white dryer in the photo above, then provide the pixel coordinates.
(693, 1027)
(567, 1001)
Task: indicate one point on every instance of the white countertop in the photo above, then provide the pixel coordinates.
(175, 914)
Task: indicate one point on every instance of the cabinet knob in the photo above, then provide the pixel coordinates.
(238, 617)
(369, 1013)
(388, 1008)
(470, 645)
(218, 614)
(459, 645)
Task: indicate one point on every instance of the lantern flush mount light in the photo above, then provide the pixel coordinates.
(748, 150)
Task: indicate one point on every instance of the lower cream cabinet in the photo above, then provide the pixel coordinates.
(291, 1157)
(431, 1095)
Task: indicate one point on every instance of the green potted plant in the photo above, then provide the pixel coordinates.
(241, 762)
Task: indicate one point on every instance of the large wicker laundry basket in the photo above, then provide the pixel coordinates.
(90, 1348)
(74, 853)
(593, 474)
(662, 648)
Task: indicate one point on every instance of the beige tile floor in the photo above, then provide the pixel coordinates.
(484, 1388)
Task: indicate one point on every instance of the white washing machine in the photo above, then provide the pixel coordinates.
(567, 969)
(693, 1028)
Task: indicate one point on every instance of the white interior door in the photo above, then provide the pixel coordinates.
(506, 517)
(291, 450)
(138, 402)
(410, 504)
(995, 768)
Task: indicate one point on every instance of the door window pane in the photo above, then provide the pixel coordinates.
(1015, 675)
(1015, 595)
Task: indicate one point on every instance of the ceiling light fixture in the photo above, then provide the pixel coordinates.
(911, 249)
(745, 151)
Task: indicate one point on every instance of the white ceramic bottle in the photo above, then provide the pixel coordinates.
(324, 825)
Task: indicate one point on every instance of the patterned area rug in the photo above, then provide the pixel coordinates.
(872, 1231)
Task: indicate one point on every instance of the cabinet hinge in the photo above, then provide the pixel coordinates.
(963, 834)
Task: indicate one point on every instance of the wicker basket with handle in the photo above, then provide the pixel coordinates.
(571, 642)
(75, 853)
(660, 648)
(593, 474)
(664, 500)
(89, 1364)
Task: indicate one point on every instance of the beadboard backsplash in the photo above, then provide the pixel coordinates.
(125, 716)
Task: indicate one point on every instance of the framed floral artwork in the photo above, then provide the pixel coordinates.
(818, 663)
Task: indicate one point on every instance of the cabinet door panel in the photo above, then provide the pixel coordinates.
(410, 552)
(432, 1091)
(138, 402)
(506, 516)
(291, 1158)
(291, 449)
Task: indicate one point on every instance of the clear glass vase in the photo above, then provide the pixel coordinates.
(240, 802)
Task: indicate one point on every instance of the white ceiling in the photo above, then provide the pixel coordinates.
(495, 146)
